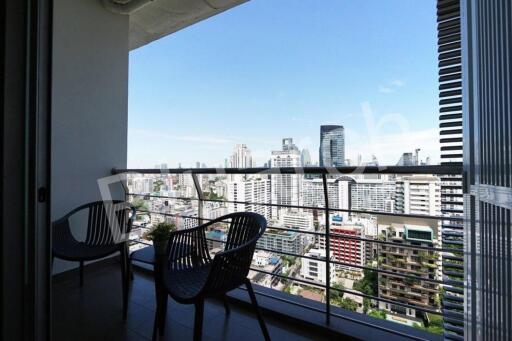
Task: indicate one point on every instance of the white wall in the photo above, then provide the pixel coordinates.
(89, 102)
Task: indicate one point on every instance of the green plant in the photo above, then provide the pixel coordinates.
(162, 231)
(140, 204)
(368, 284)
(157, 185)
(381, 314)
(434, 324)
(345, 303)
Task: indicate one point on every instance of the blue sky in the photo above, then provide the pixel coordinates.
(271, 69)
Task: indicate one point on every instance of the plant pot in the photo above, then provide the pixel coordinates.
(160, 247)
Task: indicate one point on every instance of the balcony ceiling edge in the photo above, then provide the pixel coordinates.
(163, 17)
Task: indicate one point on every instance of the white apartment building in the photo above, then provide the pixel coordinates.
(286, 188)
(214, 210)
(303, 221)
(418, 194)
(295, 219)
(315, 269)
(313, 193)
(282, 241)
(372, 194)
(140, 185)
(253, 190)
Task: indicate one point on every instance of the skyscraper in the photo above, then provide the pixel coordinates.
(254, 190)
(305, 158)
(332, 146)
(286, 187)
(241, 157)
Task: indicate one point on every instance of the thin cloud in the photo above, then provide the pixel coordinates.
(391, 86)
(385, 90)
(397, 83)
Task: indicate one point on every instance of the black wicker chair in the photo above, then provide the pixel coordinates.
(189, 274)
(103, 237)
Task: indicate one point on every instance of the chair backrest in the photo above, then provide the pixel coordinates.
(107, 222)
(231, 267)
(244, 226)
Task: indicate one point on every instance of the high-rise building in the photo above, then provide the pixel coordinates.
(313, 193)
(332, 146)
(451, 129)
(372, 193)
(403, 260)
(305, 158)
(251, 191)
(348, 251)
(241, 157)
(418, 194)
(286, 188)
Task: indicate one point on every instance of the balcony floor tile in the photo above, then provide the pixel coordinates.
(94, 312)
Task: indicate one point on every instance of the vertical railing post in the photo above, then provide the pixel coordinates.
(327, 253)
(200, 197)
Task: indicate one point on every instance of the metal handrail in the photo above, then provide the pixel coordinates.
(426, 170)
(324, 172)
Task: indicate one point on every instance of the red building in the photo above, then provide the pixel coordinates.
(345, 250)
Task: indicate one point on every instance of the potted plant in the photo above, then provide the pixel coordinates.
(160, 236)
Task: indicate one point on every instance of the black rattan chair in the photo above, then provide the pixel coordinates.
(103, 237)
(189, 275)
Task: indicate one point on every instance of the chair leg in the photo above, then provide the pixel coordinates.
(155, 326)
(162, 312)
(198, 321)
(130, 266)
(81, 273)
(258, 313)
(161, 306)
(226, 304)
(124, 282)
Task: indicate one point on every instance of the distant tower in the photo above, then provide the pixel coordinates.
(417, 156)
(332, 146)
(241, 157)
(286, 188)
(305, 158)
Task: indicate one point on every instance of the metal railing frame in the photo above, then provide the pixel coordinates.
(324, 172)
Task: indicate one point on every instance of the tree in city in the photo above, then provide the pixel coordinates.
(140, 204)
(381, 314)
(368, 284)
(347, 303)
(434, 324)
(288, 260)
(157, 185)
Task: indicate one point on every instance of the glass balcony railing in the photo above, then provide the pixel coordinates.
(392, 262)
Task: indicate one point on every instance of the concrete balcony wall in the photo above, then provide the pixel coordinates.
(89, 103)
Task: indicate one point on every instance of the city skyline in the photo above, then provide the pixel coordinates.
(248, 66)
